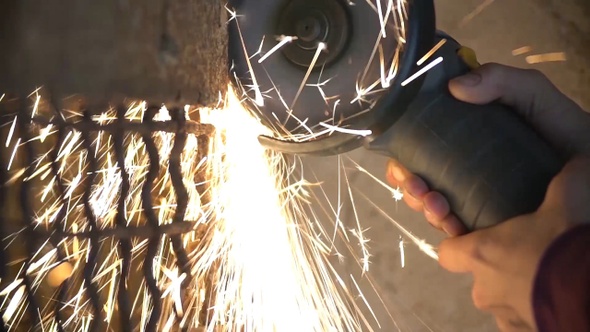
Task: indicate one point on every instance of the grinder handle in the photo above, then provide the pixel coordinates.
(488, 163)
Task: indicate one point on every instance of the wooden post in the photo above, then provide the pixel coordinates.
(163, 51)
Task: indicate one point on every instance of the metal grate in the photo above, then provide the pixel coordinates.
(124, 235)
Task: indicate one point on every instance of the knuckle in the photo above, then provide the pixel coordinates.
(479, 299)
(536, 74)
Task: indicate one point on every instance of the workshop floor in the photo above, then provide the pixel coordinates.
(421, 296)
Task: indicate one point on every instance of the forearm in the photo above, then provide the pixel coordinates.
(561, 293)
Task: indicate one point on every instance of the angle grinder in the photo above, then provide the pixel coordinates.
(329, 76)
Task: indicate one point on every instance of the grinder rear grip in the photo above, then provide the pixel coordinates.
(484, 159)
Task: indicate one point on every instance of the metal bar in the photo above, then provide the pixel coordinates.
(152, 219)
(91, 262)
(175, 170)
(121, 219)
(142, 128)
(27, 209)
(59, 221)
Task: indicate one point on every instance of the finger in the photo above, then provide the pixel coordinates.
(396, 173)
(415, 190)
(456, 254)
(569, 191)
(414, 203)
(436, 205)
(511, 323)
(452, 225)
(556, 117)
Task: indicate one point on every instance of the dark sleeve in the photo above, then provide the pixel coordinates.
(561, 293)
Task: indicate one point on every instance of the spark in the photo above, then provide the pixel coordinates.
(478, 10)
(522, 50)
(365, 300)
(357, 132)
(258, 99)
(16, 146)
(283, 40)
(402, 252)
(422, 71)
(382, 18)
(36, 105)
(546, 57)
(397, 194)
(11, 131)
(15, 303)
(321, 47)
(431, 52)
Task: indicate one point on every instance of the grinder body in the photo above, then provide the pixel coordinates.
(485, 159)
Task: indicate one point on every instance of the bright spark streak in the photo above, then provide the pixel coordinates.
(258, 99)
(13, 154)
(382, 19)
(422, 71)
(384, 78)
(431, 52)
(318, 52)
(356, 132)
(522, 50)
(365, 300)
(402, 252)
(478, 10)
(547, 57)
(11, 131)
(397, 194)
(36, 106)
(14, 304)
(283, 40)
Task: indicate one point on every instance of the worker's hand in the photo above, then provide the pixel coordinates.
(553, 115)
(504, 259)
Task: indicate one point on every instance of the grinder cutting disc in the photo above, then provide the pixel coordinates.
(303, 93)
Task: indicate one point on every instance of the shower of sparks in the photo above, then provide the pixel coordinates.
(422, 71)
(283, 40)
(546, 57)
(260, 264)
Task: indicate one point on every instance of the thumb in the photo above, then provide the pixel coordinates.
(529, 93)
(457, 254)
(569, 191)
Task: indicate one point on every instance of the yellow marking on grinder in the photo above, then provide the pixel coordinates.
(469, 57)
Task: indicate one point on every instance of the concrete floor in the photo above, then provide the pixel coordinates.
(422, 296)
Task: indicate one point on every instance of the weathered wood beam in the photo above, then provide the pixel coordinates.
(172, 51)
